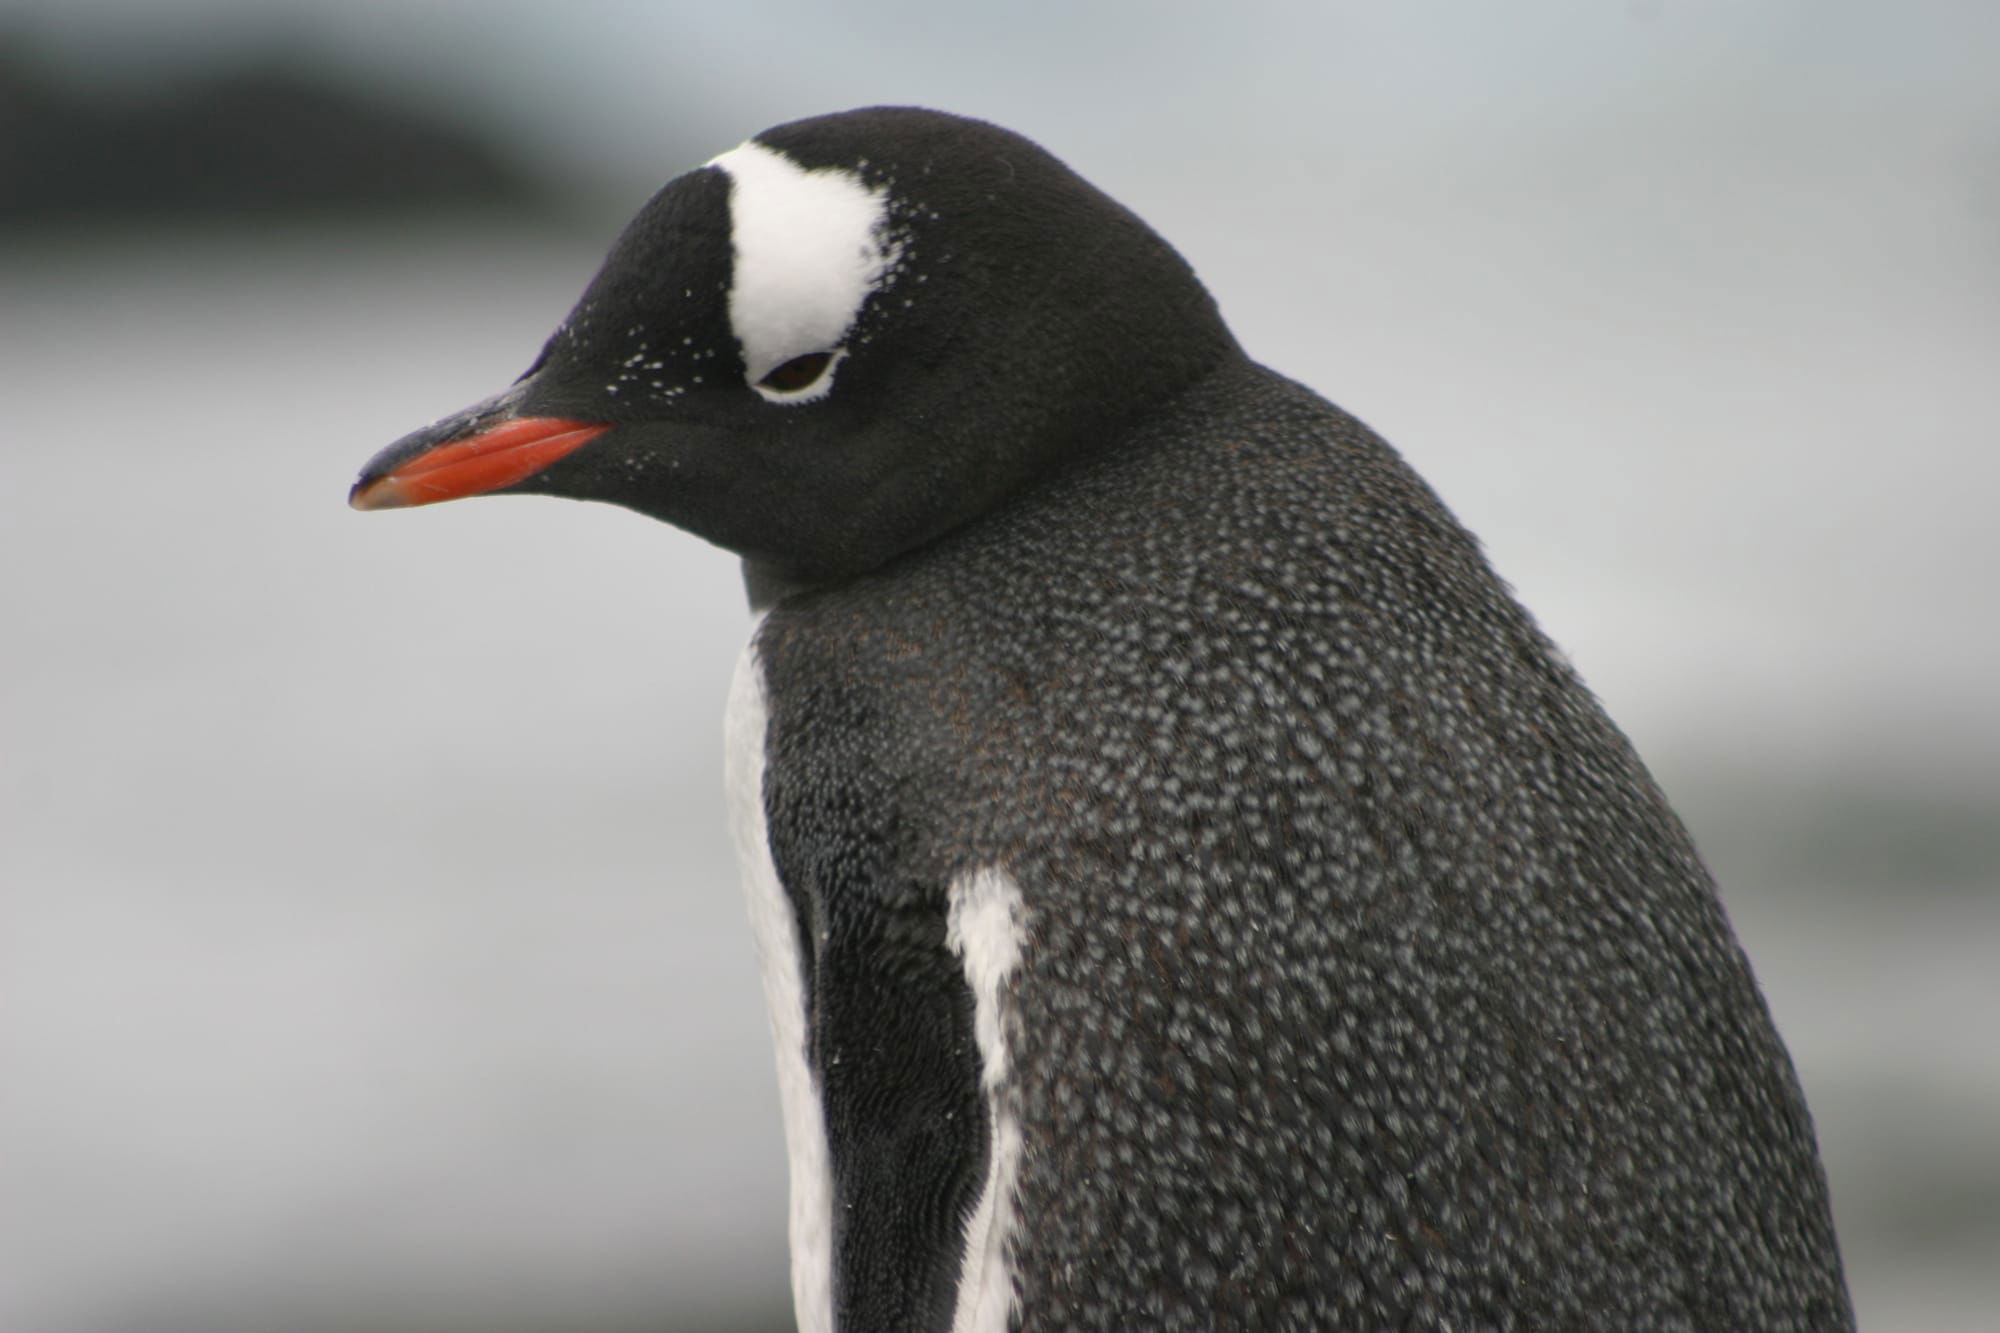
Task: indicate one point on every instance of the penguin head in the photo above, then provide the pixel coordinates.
(834, 343)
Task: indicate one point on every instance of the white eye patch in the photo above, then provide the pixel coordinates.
(809, 248)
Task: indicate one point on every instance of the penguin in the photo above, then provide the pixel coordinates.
(1190, 890)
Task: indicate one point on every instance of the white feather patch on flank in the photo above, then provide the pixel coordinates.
(778, 956)
(809, 248)
(986, 925)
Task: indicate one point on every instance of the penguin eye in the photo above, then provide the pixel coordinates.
(801, 372)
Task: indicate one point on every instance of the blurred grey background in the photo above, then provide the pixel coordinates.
(370, 953)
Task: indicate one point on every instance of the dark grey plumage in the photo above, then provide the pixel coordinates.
(1371, 983)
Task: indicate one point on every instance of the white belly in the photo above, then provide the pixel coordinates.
(772, 925)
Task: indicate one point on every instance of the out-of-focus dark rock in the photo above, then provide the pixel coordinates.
(266, 141)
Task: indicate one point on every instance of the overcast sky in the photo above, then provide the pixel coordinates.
(596, 81)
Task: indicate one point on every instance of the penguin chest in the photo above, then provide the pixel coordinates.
(780, 961)
(891, 1019)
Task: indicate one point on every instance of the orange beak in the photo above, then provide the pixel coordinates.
(500, 455)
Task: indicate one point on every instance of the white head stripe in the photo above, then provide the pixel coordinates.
(809, 248)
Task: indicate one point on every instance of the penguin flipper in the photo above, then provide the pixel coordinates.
(907, 1127)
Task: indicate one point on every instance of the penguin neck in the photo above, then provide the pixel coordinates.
(766, 585)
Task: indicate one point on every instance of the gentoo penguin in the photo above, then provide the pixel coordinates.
(1191, 892)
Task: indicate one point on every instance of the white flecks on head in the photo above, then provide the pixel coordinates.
(779, 958)
(809, 248)
(986, 925)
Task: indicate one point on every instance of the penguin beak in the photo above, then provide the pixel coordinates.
(485, 448)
